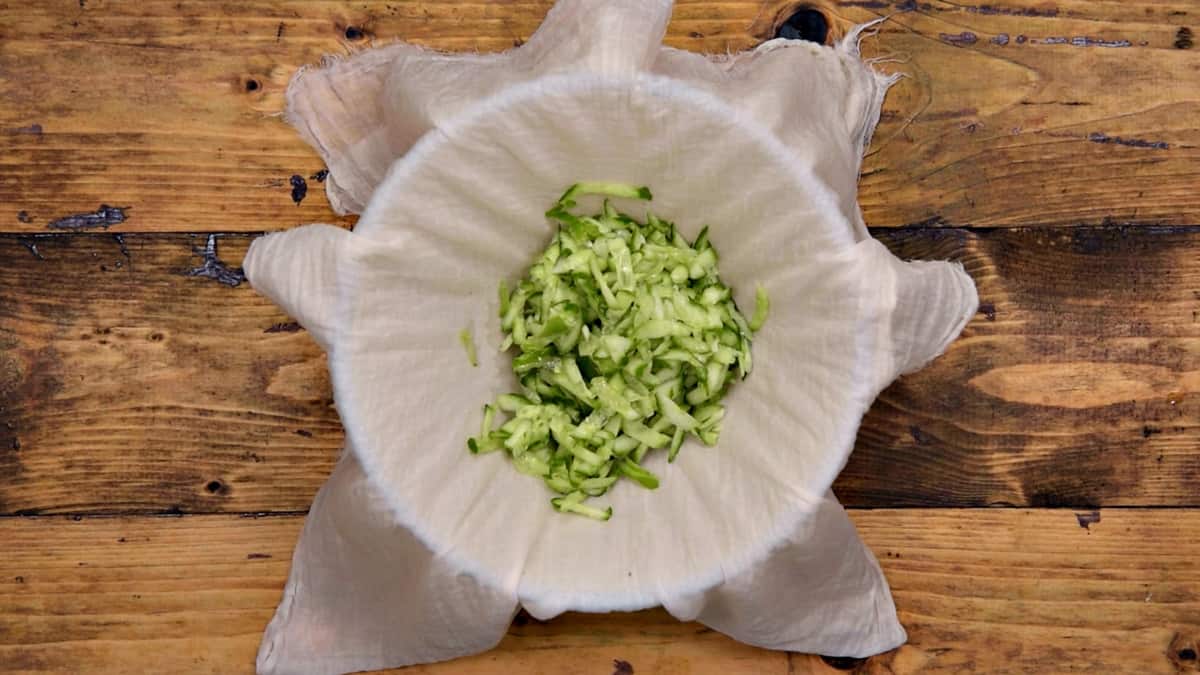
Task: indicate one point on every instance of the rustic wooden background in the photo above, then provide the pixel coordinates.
(1034, 495)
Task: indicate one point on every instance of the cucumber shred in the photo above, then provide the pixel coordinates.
(468, 343)
(625, 341)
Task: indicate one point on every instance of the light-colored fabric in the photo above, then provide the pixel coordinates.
(365, 594)
(764, 147)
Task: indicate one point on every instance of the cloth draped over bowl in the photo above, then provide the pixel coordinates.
(414, 551)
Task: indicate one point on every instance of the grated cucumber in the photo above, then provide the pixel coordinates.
(625, 340)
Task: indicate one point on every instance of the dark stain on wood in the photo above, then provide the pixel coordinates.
(299, 188)
(279, 32)
(988, 310)
(1148, 431)
(1090, 241)
(912, 6)
(965, 38)
(106, 216)
(1184, 38)
(1086, 520)
(919, 436)
(284, 327)
(1097, 137)
(258, 556)
(1049, 12)
(320, 176)
(622, 667)
(1066, 103)
(214, 268)
(304, 433)
(1085, 41)
(23, 217)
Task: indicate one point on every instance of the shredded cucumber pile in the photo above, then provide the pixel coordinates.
(626, 340)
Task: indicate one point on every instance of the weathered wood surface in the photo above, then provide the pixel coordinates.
(128, 386)
(135, 380)
(982, 591)
(1015, 113)
(1078, 383)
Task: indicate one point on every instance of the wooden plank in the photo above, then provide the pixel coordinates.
(1075, 385)
(1016, 112)
(193, 595)
(995, 590)
(128, 386)
(1035, 112)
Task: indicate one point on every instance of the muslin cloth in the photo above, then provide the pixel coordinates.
(416, 551)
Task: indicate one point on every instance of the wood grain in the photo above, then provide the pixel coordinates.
(1014, 113)
(1077, 384)
(136, 378)
(996, 591)
(128, 386)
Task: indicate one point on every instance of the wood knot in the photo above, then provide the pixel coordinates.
(809, 20)
(1182, 651)
(804, 23)
(216, 487)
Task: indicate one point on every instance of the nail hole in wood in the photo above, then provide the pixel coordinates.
(805, 23)
(354, 33)
(214, 486)
(1187, 654)
(252, 85)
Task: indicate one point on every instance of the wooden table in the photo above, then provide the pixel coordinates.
(1034, 495)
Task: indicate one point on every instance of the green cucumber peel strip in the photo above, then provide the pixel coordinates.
(468, 343)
